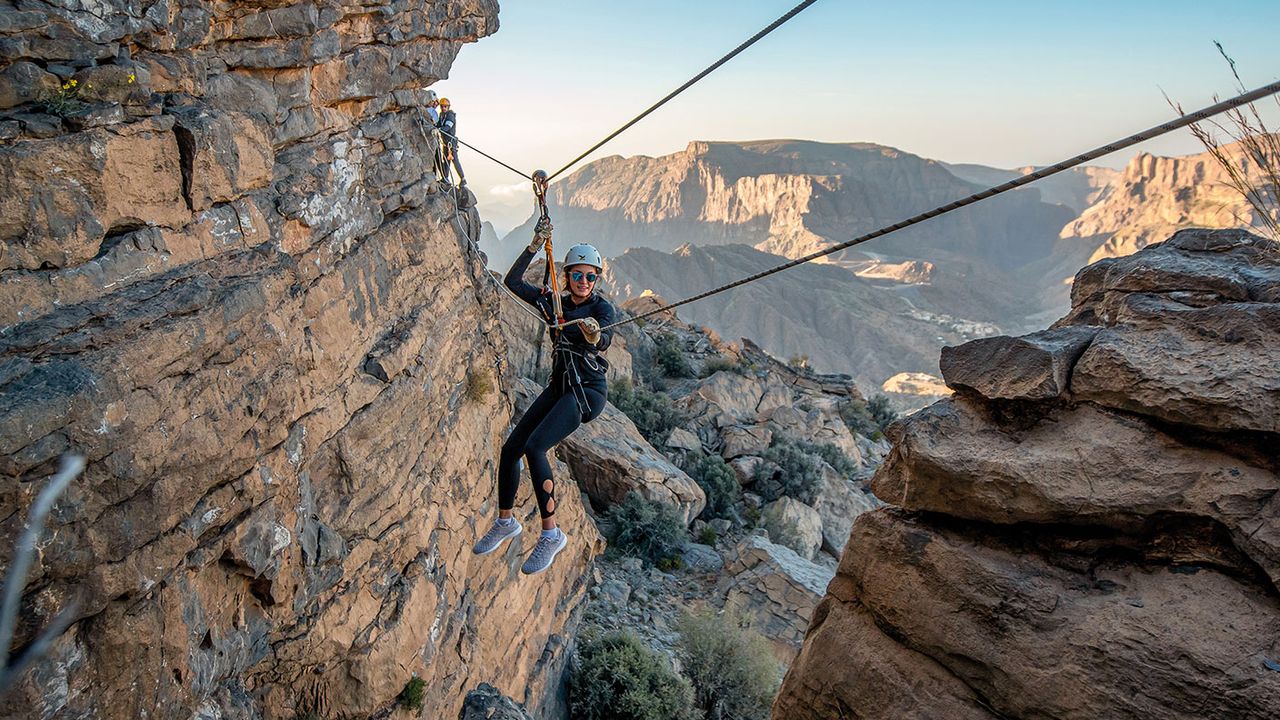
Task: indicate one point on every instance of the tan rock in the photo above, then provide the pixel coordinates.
(63, 196)
(1031, 367)
(229, 155)
(838, 503)
(776, 588)
(681, 439)
(748, 440)
(1200, 368)
(1120, 641)
(793, 525)
(610, 458)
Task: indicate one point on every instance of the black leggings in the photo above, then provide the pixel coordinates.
(550, 419)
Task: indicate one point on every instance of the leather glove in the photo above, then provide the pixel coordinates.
(591, 330)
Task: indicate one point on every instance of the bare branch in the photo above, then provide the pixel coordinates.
(16, 579)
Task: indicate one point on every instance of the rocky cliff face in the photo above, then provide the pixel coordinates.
(791, 197)
(1090, 527)
(1150, 200)
(229, 281)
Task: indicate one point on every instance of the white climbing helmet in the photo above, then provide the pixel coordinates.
(583, 254)
(431, 96)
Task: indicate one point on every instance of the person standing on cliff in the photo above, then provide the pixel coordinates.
(437, 161)
(575, 394)
(449, 129)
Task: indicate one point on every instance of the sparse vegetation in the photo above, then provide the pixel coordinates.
(647, 530)
(868, 418)
(833, 456)
(617, 678)
(1254, 170)
(788, 470)
(651, 411)
(479, 384)
(717, 480)
(412, 695)
(670, 357)
(708, 535)
(731, 667)
(717, 364)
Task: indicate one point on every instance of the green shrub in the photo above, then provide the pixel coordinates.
(717, 481)
(652, 412)
(881, 412)
(798, 473)
(716, 364)
(618, 678)
(648, 530)
(733, 670)
(708, 536)
(670, 357)
(413, 693)
(857, 417)
(833, 456)
(670, 563)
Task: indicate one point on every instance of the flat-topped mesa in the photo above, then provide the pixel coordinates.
(1090, 526)
(230, 279)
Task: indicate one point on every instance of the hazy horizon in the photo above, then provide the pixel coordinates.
(1003, 85)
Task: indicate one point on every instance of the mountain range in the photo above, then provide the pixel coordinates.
(675, 225)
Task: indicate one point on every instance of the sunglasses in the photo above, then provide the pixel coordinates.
(577, 276)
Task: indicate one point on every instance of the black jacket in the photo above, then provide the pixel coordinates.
(587, 361)
(449, 124)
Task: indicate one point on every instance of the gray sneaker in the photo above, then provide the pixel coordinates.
(495, 537)
(543, 553)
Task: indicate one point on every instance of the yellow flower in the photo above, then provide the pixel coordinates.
(66, 86)
(131, 78)
(73, 82)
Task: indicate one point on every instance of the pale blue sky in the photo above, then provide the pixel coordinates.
(999, 83)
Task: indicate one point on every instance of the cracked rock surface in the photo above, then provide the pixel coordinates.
(1089, 527)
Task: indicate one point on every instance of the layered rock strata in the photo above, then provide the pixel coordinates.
(1089, 527)
(229, 279)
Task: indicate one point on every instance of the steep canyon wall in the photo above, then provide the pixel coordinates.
(229, 279)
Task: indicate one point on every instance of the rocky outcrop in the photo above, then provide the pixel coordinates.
(610, 459)
(228, 278)
(1152, 198)
(1088, 531)
(774, 587)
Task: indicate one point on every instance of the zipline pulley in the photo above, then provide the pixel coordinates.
(544, 230)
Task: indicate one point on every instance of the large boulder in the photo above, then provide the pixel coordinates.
(1089, 529)
(838, 503)
(774, 587)
(793, 524)
(610, 458)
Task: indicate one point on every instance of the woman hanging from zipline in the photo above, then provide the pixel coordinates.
(574, 395)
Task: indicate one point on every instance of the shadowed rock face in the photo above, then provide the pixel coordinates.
(230, 281)
(1091, 529)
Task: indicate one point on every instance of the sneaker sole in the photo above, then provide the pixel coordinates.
(564, 540)
(499, 543)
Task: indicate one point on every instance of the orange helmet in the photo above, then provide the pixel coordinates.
(444, 102)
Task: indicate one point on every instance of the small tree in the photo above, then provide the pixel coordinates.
(788, 470)
(671, 358)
